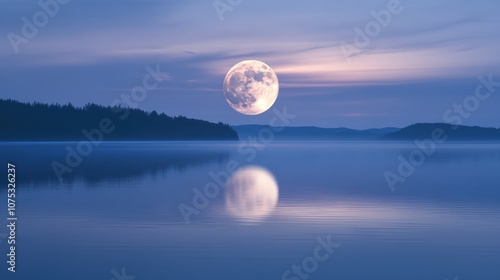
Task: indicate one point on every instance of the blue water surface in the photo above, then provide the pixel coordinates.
(205, 210)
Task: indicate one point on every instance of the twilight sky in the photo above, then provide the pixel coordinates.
(425, 59)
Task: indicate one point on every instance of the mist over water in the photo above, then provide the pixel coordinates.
(120, 209)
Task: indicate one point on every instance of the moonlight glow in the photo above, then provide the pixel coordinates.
(251, 87)
(251, 194)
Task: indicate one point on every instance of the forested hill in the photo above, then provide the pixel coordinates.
(42, 122)
(458, 133)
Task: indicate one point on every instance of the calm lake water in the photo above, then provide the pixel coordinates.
(325, 207)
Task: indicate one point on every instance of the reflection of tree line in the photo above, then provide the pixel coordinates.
(42, 122)
(109, 161)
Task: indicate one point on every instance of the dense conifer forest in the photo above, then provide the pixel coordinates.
(42, 122)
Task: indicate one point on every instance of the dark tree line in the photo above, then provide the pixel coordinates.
(459, 132)
(43, 122)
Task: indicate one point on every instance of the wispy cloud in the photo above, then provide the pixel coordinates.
(92, 46)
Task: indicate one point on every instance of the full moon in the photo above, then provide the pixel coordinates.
(251, 194)
(251, 87)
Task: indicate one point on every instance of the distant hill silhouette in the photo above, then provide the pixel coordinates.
(42, 122)
(311, 133)
(454, 133)
(410, 133)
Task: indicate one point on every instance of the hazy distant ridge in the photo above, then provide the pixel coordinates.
(42, 122)
(452, 132)
(412, 132)
(311, 133)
